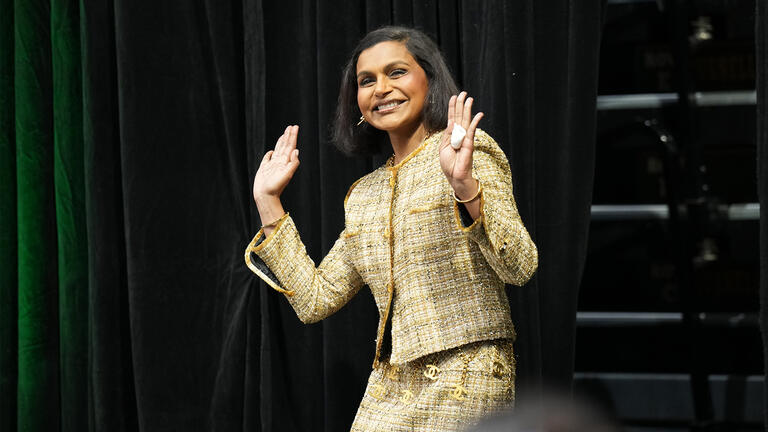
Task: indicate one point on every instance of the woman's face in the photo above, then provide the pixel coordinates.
(391, 87)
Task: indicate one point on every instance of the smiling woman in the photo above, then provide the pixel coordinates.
(392, 88)
(435, 233)
(414, 46)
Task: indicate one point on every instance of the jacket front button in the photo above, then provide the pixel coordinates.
(407, 396)
(378, 391)
(497, 369)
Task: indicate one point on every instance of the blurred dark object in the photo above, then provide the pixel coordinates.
(550, 413)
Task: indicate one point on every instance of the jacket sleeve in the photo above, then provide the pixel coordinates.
(499, 231)
(313, 292)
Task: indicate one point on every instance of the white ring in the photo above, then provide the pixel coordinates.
(457, 136)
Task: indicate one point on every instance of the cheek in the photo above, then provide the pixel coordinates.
(362, 100)
(418, 86)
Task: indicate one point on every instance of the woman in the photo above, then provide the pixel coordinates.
(434, 233)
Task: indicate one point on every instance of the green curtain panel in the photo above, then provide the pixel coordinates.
(44, 243)
(38, 323)
(48, 364)
(129, 134)
(69, 190)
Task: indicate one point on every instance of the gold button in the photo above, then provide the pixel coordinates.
(432, 372)
(407, 396)
(378, 391)
(458, 392)
(392, 372)
(497, 369)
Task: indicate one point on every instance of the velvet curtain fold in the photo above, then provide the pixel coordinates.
(8, 229)
(130, 132)
(761, 35)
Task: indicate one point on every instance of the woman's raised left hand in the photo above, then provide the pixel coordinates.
(457, 163)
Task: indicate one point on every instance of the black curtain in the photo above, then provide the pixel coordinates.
(532, 67)
(761, 43)
(175, 103)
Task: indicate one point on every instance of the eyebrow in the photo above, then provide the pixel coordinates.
(396, 62)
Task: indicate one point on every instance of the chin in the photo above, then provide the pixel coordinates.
(391, 126)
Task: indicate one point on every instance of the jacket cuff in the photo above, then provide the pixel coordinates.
(464, 220)
(257, 265)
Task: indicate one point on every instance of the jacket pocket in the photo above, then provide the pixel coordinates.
(429, 231)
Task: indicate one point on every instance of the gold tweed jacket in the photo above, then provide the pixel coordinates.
(437, 283)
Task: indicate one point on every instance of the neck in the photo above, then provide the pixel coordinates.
(404, 143)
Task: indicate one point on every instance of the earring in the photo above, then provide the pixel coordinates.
(362, 119)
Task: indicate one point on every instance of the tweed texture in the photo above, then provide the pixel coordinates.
(445, 391)
(437, 284)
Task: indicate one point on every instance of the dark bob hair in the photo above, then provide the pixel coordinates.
(365, 139)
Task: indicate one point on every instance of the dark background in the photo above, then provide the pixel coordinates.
(669, 299)
(130, 134)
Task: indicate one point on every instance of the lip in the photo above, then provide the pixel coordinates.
(376, 108)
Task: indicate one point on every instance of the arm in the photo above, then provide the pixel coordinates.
(498, 229)
(457, 163)
(282, 260)
(479, 174)
(313, 292)
(276, 170)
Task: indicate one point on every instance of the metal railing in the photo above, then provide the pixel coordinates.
(658, 100)
(624, 212)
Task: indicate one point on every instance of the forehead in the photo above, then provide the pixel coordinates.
(383, 54)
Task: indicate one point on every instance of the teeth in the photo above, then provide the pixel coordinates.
(387, 106)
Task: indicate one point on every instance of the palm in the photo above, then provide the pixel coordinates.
(278, 166)
(457, 163)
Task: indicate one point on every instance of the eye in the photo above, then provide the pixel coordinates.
(365, 81)
(397, 73)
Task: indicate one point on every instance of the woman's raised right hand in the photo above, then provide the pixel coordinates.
(277, 167)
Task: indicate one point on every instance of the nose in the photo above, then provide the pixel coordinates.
(382, 86)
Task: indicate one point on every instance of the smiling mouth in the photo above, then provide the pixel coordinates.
(389, 106)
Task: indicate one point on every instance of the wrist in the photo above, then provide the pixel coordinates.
(466, 188)
(270, 208)
(265, 199)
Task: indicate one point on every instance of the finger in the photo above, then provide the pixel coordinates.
(459, 110)
(475, 121)
(446, 139)
(267, 156)
(451, 110)
(467, 115)
(293, 162)
(469, 142)
(280, 146)
(290, 141)
(284, 139)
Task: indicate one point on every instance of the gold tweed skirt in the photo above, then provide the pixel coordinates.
(445, 391)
